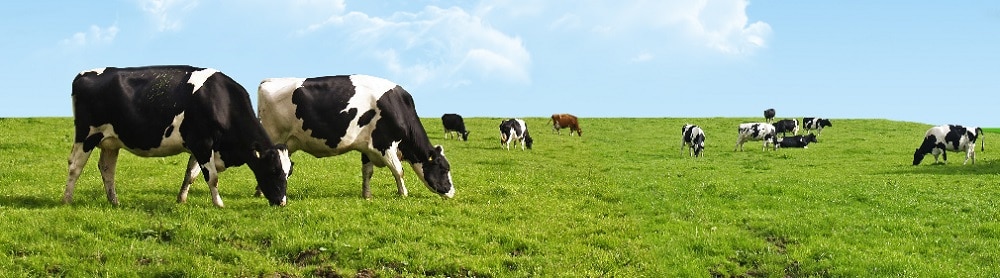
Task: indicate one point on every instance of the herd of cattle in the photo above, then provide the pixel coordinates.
(158, 111)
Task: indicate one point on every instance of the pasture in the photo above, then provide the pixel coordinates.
(621, 201)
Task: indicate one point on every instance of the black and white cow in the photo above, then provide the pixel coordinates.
(797, 141)
(756, 132)
(954, 138)
(167, 110)
(693, 137)
(514, 130)
(332, 115)
(769, 115)
(787, 125)
(454, 123)
(816, 123)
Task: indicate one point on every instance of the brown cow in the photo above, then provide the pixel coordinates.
(560, 121)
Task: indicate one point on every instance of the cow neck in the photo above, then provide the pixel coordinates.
(419, 148)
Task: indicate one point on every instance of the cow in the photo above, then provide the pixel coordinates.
(693, 137)
(816, 123)
(797, 141)
(944, 138)
(560, 121)
(454, 123)
(769, 115)
(787, 125)
(331, 115)
(756, 132)
(160, 111)
(514, 130)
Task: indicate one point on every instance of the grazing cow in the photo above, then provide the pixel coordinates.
(944, 138)
(514, 130)
(816, 123)
(560, 121)
(332, 115)
(756, 132)
(769, 115)
(797, 141)
(787, 125)
(161, 111)
(454, 123)
(694, 137)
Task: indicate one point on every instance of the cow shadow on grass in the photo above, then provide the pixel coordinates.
(953, 167)
(30, 202)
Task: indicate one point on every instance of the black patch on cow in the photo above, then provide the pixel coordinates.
(954, 135)
(140, 104)
(366, 117)
(170, 130)
(91, 142)
(328, 121)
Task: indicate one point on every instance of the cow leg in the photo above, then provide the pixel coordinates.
(367, 169)
(396, 166)
(77, 159)
(109, 159)
(212, 179)
(970, 154)
(192, 171)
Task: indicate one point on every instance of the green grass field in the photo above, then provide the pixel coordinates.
(621, 201)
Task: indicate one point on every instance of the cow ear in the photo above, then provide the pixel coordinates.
(256, 150)
(439, 149)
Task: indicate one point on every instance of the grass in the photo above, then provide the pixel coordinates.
(621, 201)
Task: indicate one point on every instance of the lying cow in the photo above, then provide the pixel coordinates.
(769, 115)
(328, 116)
(560, 121)
(453, 123)
(756, 132)
(514, 130)
(816, 123)
(693, 137)
(162, 111)
(944, 138)
(797, 141)
(787, 125)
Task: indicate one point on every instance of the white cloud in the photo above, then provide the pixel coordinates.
(167, 14)
(93, 36)
(434, 45)
(642, 57)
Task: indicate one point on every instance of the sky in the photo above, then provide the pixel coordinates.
(934, 62)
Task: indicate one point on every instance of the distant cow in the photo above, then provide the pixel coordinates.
(162, 111)
(756, 132)
(332, 115)
(560, 121)
(769, 115)
(787, 125)
(797, 141)
(693, 137)
(816, 123)
(453, 123)
(944, 138)
(514, 130)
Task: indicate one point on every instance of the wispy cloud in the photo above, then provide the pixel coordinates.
(167, 15)
(95, 35)
(447, 46)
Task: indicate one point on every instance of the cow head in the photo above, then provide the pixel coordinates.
(272, 169)
(527, 140)
(465, 136)
(436, 173)
(918, 156)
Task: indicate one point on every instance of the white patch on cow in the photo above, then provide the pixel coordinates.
(370, 85)
(286, 161)
(198, 78)
(99, 71)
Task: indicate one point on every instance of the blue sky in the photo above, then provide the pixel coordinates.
(922, 61)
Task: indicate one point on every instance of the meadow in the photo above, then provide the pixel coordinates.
(624, 200)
